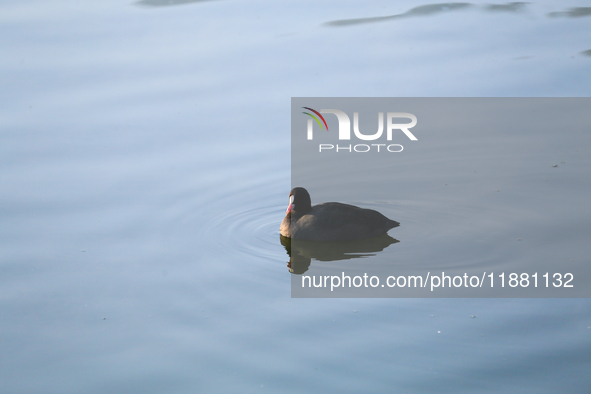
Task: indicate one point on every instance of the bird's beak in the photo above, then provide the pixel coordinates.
(289, 208)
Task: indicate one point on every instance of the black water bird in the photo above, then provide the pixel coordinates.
(331, 221)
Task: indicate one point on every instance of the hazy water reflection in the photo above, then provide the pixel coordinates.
(507, 7)
(424, 10)
(572, 13)
(440, 8)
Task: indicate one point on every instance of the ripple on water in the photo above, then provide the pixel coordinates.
(244, 221)
(251, 232)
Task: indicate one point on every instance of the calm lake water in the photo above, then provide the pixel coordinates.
(145, 151)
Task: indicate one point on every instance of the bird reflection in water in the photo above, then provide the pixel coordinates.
(302, 252)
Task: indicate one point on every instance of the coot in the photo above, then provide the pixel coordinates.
(331, 221)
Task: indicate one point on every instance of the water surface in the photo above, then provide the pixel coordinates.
(145, 170)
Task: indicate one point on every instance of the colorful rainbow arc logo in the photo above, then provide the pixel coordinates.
(315, 118)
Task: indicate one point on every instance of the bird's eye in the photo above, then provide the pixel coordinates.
(291, 199)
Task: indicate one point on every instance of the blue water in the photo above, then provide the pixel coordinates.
(145, 167)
